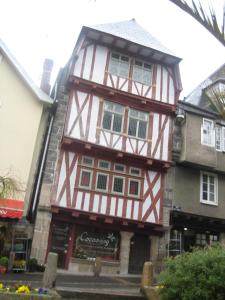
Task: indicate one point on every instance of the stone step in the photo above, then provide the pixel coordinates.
(99, 294)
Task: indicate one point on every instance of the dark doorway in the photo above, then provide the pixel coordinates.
(60, 234)
(139, 253)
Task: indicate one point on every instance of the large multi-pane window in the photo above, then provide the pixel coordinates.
(102, 182)
(220, 138)
(138, 121)
(113, 116)
(142, 72)
(119, 65)
(209, 188)
(208, 133)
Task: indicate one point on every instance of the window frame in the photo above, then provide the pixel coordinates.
(138, 120)
(91, 176)
(103, 160)
(138, 175)
(212, 132)
(215, 202)
(107, 182)
(113, 112)
(124, 180)
(89, 157)
(142, 68)
(118, 67)
(139, 187)
(118, 164)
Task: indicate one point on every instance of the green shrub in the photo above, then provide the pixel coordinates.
(4, 261)
(32, 264)
(199, 275)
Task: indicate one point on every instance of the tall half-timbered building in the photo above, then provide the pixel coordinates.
(121, 89)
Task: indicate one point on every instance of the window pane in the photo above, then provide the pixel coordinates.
(85, 178)
(114, 65)
(137, 73)
(123, 69)
(205, 196)
(119, 167)
(117, 123)
(147, 77)
(132, 127)
(205, 178)
(118, 108)
(103, 164)
(134, 187)
(102, 181)
(118, 184)
(107, 120)
(211, 197)
(135, 171)
(87, 160)
(108, 105)
(142, 129)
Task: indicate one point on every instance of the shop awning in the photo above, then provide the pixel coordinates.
(11, 208)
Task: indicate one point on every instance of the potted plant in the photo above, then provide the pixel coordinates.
(19, 265)
(4, 261)
(32, 264)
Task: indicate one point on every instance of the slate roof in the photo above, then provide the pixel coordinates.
(42, 96)
(197, 96)
(132, 31)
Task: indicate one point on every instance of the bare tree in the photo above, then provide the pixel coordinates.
(208, 20)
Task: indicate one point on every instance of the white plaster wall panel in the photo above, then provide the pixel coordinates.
(86, 201)
(78, 64)
(63, 200)
(104, 205)
(73, 114)
(123, 85)
(166, 141)
(73, 174)
(155, 131)
(158, 83)
(144, 150)
(94, 119)
(100, 63)
(117, 142)
(128, 146)
(156, 187)
(146, 205)
(151, 218)
(147, 91)
(152, 175)
(79, 200)
(96, 203)
(102, 140)
(62, 177)
(136, 207)
(171, 92)
(112, 206)
(88, 62)
(164, 86)
(120, 207)
(158, 207)
(129, 207)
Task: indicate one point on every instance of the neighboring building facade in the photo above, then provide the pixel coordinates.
(197, 198)
(111, 145)
(24, 111)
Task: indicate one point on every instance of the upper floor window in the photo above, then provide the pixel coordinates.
(142, 72)
(208, 133)
(138, 121)
(220, 138)
(209, 188)
(113, 116)
(119, 65)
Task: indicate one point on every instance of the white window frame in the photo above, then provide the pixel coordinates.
(221, 137)
(142, 69)
(119, 64)
(215, 202)
(115, 192)
(138, 175)
(105, 161)
(211, 134)
(89, 171)
(122, 165)
(139, 187)
(138, 120)
(89, 157)
(113, 112)
(107, 182)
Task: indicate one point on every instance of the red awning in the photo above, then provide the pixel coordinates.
(11, 208)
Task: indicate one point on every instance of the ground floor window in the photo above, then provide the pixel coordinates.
(91, 243)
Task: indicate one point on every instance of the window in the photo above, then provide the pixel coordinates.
(103, 164)
(118, 184)
(119, 65)
(208, 188)
(134, 187)
(85, 178)
(137, 123)
(142, 72)
(102, 182)
(201, 240)
(88, 161)
(119, 168)
(135, 171)
(208, 133)
(113, 116)
(220, 138)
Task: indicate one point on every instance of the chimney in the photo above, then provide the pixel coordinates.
(46, 75)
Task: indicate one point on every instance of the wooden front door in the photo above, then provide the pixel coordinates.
(59, 243)
(139, 253)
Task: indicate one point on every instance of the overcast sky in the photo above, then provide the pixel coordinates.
(36, 29)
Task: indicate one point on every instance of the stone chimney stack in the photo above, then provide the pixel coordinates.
(46, 75)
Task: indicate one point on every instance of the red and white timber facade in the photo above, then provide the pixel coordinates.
(107, 198)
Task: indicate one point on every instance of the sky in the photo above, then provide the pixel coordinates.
(37, 29)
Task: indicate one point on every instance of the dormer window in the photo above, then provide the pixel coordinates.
(119, 65)
(142, 72)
